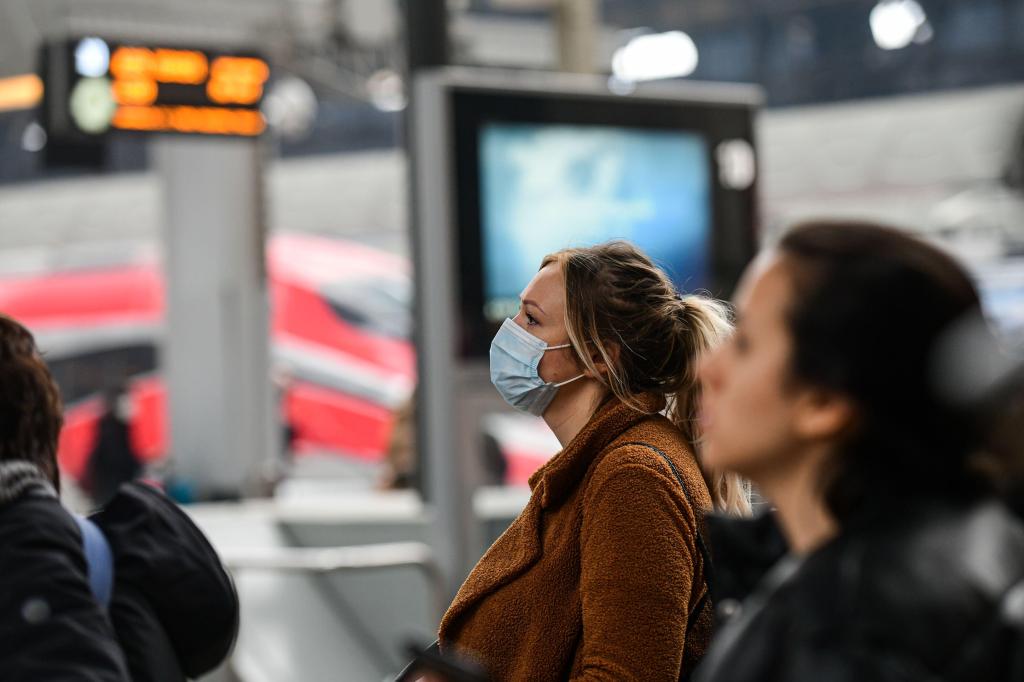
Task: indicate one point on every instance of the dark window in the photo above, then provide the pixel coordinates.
(92, 372)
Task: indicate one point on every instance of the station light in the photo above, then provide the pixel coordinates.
(737, 164)
(33, 138)
(20, 92)
(92, 57)
(386, 90)
(655, 56)
(895, 24)
(291, 107)
(92, 105)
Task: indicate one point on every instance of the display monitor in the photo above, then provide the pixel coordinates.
(545, 187)
(537, 169)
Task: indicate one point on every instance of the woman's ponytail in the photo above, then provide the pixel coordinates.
(625, 309)
(703, 324)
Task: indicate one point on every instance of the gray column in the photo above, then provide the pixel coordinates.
(215, 355)
(579, 27)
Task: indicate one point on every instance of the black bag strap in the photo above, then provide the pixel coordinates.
(702, 547)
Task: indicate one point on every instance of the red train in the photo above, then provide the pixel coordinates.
(340, 326)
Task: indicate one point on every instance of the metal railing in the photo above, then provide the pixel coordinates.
(327, 560)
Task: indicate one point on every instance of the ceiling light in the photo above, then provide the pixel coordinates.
(656, 56)
(895, 24)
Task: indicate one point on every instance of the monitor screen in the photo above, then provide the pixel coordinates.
(533, 172)
(545, 187)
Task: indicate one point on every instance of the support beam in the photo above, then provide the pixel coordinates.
(216, 348)
(579, 24)
(426, 34)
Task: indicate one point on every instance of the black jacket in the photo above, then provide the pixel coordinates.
(174, 607)
(50, 626)
(932, 594)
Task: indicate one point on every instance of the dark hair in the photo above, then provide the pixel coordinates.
(31, 415)
(870, 305)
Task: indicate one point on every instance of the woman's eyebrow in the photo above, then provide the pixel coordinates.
(527, 301)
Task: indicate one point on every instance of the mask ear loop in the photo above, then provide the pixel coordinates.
(568, 381)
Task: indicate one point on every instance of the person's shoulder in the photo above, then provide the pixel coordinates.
(651, 457)
(978, 547)
(927, 551)
(927, 581)
(634, 458)
(657, 449)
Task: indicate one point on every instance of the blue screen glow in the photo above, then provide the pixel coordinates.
(548, 187)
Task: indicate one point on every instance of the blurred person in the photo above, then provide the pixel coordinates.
(900, 563)
(277, 467)
(51, 626)
(604, 574)
(113, 459)
(161, 608)
(400, 459)
(283, 384)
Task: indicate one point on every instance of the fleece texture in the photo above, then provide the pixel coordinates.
(600, 576)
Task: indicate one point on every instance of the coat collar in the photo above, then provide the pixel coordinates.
(555, 480)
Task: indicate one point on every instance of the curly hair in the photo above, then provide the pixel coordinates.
(31, 414)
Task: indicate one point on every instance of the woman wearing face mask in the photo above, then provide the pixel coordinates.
(604, 575)
(900, 565)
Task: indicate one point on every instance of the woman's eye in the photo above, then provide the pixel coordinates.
(530, 321)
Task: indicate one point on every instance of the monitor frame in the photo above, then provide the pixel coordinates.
(714, 112)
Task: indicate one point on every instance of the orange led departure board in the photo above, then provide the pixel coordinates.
(93, 86)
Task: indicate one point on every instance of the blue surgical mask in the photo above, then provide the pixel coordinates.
(515, 355)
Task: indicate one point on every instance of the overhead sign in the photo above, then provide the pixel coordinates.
(93, 86)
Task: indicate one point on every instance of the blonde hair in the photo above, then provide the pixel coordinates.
(616, 298)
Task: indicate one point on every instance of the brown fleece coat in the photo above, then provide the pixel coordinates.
(599, 575)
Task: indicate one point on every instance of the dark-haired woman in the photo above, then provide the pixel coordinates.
(603, 576)
(134, 592)
(899, 564)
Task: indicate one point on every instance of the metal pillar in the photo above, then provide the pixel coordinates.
(445, 485)
(441, 478)
(578, 22)
(426, 34)
(215, 354)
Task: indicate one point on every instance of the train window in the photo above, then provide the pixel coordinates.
(91, 372)
(379, 306)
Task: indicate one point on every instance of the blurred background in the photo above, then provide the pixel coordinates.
(265, 243)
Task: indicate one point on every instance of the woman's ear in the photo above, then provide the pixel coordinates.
(599, 362)
(824, 415)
